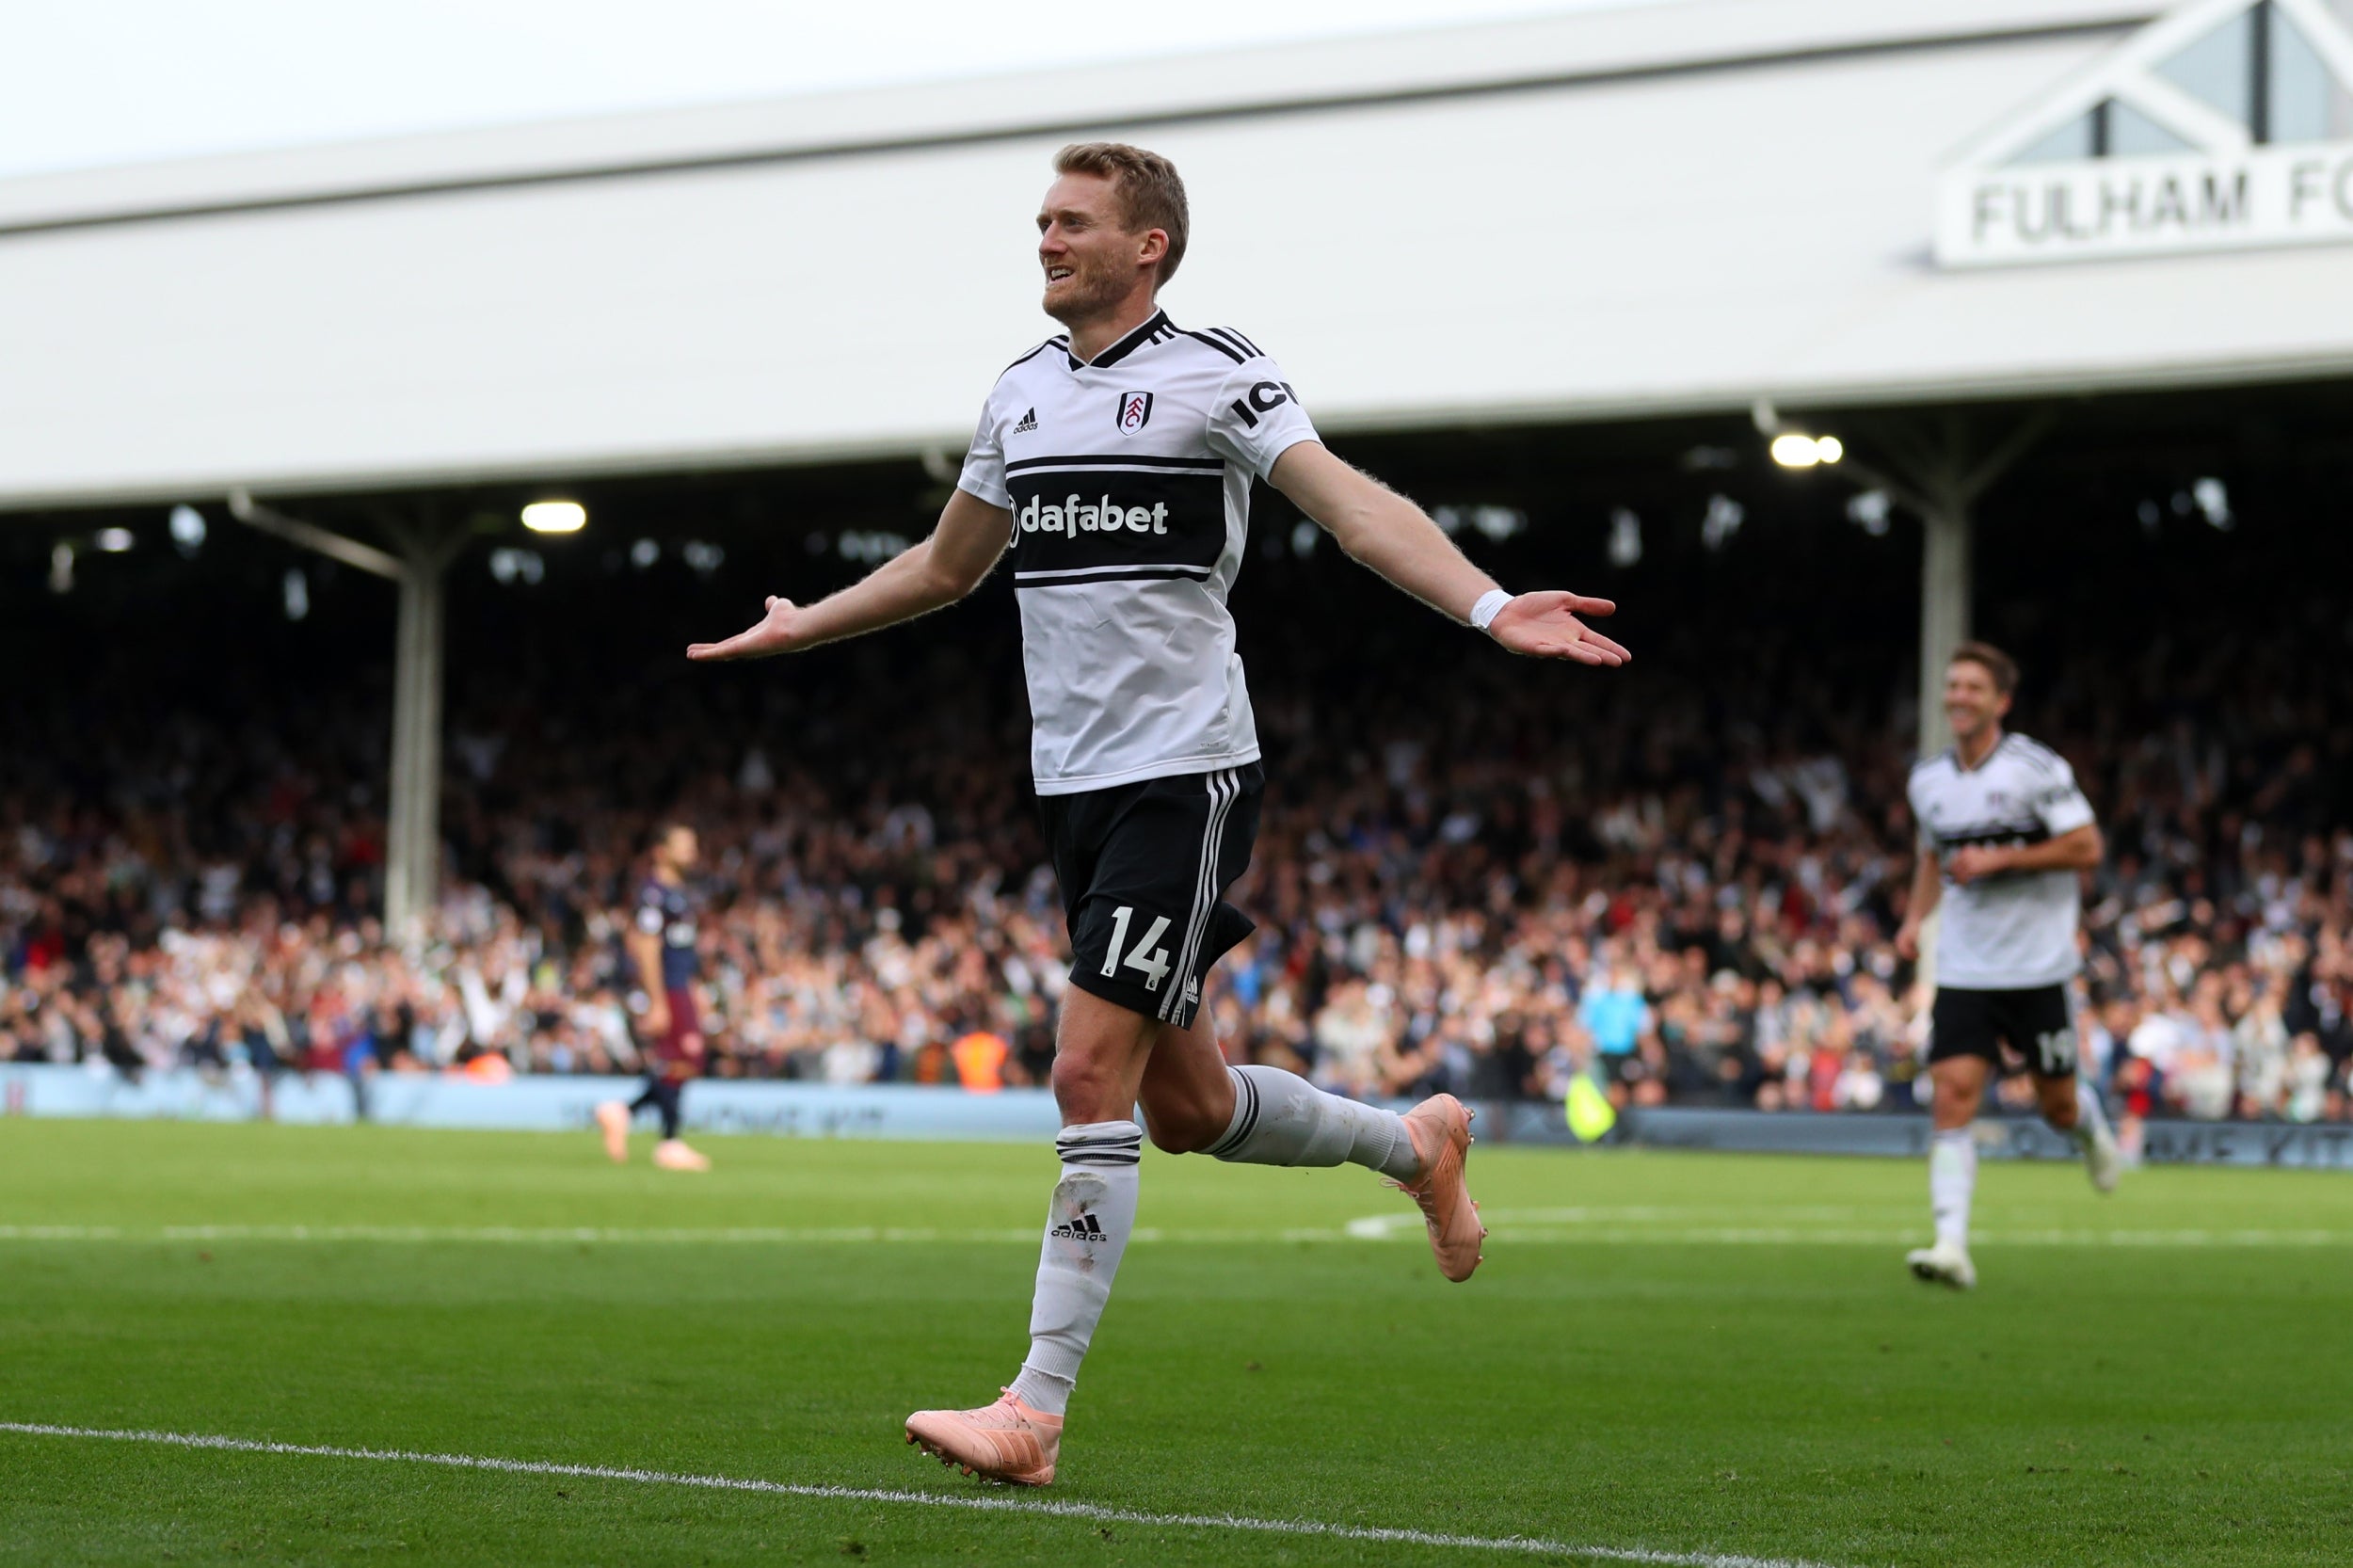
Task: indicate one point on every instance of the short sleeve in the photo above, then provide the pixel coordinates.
(1920, 815)
(983, 473)
(1257, 417)
(651, 918)
(2060, 805)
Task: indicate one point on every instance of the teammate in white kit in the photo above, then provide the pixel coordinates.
(2004, 832)
(1115, 464)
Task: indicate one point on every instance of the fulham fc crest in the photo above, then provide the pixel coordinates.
(1135, 412)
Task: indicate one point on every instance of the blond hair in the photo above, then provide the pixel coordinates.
(1145, 185)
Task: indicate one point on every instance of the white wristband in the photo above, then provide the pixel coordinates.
(1490, 605)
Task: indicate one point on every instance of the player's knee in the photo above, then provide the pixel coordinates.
(1086, 1085)
(1955, 1103)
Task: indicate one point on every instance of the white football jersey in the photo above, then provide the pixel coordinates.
(2016, 930)
(1128, 479)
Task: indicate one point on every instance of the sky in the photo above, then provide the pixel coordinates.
(98, 82)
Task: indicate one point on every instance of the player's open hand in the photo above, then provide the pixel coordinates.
(773, 635)
(1544, 626)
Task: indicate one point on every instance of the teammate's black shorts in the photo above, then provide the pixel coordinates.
(2037, 1023)
(1144, 867)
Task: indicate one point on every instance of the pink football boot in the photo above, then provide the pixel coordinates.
(1440, 1128)
(1006, 1441)
(672, 1155)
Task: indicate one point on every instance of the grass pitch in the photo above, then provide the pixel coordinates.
(1695, 1355)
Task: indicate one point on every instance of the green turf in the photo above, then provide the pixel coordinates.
(1686, 1354)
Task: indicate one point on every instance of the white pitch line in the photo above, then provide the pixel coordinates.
(1092, 1513)
(1374, 1227)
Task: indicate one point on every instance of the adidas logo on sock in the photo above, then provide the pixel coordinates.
(1028, 422)
(1084, 1228)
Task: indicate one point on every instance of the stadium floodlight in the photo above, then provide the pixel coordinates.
(1792, 449)
(114, 541)
(555, 517)
(188, 528)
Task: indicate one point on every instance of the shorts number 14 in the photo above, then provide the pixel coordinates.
(1155, 968)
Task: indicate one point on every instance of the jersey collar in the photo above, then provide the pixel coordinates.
(1990, 752)
(1152, 326)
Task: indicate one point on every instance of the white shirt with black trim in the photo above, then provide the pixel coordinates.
(1128, 478)
(2017, 929)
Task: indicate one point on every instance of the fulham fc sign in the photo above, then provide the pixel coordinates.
(2226, 124)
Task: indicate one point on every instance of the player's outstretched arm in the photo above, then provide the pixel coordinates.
(1397, 538)
(936, 574)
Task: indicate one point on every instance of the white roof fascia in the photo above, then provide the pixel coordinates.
(1594, 44)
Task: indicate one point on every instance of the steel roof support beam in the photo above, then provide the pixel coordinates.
(412, 862)
(1940, 475)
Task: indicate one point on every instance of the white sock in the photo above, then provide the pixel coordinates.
(1087, 1228)
(2090, 1120)
(1952, 1179)
(1282, 1119)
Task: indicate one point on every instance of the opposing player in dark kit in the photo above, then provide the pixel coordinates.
(2004, 833)
(660, 941)
(1114, 465)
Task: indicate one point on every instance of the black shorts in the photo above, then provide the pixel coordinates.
(2037, 1023)
(1144, 867)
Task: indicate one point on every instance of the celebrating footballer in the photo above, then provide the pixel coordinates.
(1113, 464)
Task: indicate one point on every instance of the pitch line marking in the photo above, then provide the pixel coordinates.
(1092, 1513)
(1538, 1227)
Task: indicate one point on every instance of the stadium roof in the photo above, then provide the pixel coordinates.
(1675, 208)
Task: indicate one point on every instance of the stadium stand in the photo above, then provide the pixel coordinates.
(1475, 874)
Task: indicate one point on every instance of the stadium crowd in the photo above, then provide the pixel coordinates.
(1683, 882)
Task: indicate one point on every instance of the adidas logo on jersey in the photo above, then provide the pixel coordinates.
(1028, 424)
(1084, 1228)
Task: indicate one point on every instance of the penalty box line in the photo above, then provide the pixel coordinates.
(1043, 1507)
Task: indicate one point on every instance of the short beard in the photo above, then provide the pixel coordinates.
(1092, 298)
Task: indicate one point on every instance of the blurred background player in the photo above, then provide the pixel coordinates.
(661, 945)
(2004, 834)
(1117, 464)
